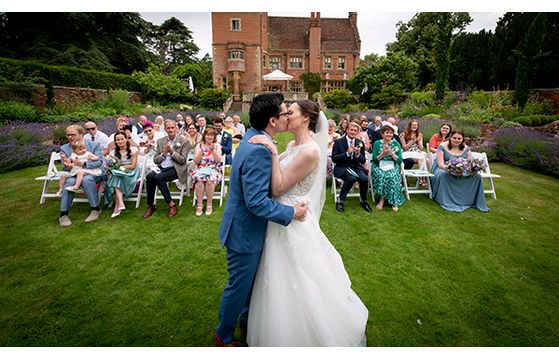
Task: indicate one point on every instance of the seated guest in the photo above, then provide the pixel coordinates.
(122, 180)
(348, 156)
(238, 125)
(159, 127)
(138, 129)
(201, 124)
(387, 182)
(147, 146)
(79, 152)
(170, 156)
(193, 137)
(122, 125)
(94, 134)
(179, 119)
(342, 127)
(224, 139)
(332, 136)
(376, 125)
(188, 121)
(454, 193)
(377, 135)
(363, 133)
(208, 172)
(75, 133)
(439, 137)
(412, 140)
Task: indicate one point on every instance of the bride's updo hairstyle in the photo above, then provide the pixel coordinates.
(310, 109)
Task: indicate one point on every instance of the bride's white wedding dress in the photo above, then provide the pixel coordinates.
(302, 294)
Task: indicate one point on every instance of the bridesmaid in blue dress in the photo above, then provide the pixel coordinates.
(454, 193)
(122, 181)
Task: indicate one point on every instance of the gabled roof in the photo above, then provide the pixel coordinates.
(292, 33)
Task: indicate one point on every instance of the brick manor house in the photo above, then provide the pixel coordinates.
(248, 45)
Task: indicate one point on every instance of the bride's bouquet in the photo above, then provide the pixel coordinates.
(461, 167)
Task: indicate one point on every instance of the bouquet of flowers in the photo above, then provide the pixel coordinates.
(459, 167)
(477, 165)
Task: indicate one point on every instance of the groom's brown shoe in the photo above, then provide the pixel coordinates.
(220, 342)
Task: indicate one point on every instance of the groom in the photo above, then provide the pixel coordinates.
(247, 212)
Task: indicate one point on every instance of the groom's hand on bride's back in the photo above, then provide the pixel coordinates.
(300, 211)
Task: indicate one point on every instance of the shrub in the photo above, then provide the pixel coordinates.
(533, 107)
(21, 145)
(536, 120)
(21, 70)
(389, 95)
(528, 149)
(425, 98)
(338, 99)
(12, 110)
(311, 82)
(117, 99)
(213, 99)
(480, 98)
(164, 88)
(510, 124)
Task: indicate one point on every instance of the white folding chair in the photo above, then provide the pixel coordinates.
(421, 172)
(354, 192)
(137, 195)
(53, 174)
(486, 174)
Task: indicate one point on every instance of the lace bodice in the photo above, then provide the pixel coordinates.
(300, 190)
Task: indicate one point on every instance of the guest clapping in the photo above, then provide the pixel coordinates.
(170, 155)
(208, 171)
(387, 182)
(123, 172)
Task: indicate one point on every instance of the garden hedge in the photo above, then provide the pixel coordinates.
(26, 70)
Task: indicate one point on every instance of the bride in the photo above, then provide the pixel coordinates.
(302, 294)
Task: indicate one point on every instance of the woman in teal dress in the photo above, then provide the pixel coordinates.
(454, 193)
(387, 182)
(122, 181)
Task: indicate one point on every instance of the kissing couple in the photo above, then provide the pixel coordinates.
(287, 285)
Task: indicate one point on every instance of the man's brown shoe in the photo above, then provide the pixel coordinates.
(220, 342)
(149, 211)
(172, 210)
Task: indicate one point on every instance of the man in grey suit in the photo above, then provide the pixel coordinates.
(76, 133)
(170, 156)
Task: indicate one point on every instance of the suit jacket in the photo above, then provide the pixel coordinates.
(226, 146)
(93, 147)
(340, 158)
(180, 154)
(249, 206)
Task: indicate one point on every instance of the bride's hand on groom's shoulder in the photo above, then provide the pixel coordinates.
(264, 140)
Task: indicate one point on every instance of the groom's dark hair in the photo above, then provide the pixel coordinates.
(263, 107)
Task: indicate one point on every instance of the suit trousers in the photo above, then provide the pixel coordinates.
(235, 300)
(89, 187)
(350, 179)
(160, 180)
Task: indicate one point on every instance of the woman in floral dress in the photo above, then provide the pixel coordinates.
(208, 171)
(387, 182)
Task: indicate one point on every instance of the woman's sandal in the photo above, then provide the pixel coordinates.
(208, 210)
(198, 211)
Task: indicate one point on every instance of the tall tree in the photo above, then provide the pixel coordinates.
(427, 38)
(472, 57)
(173, 44)
(448, 25)
(100, 41)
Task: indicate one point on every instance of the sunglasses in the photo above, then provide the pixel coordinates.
(89, 129)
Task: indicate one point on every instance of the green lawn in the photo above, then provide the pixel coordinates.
(428, 277)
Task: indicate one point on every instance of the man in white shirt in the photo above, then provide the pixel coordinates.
(237, 124)
(94, 134)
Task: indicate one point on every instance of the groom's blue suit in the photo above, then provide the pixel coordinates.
(243, 229)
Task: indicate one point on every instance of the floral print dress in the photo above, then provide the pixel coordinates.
(387, 183)
(208, 169)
